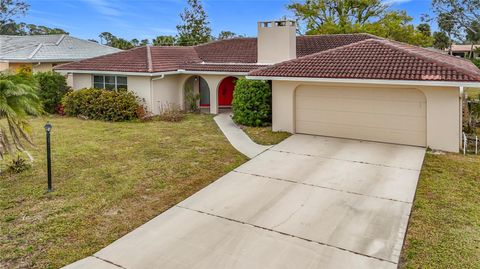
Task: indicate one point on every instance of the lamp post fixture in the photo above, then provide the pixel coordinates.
(48, 128)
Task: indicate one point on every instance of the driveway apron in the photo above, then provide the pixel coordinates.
(308, 202)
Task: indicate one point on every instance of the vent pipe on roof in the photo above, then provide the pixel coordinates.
(276, 41)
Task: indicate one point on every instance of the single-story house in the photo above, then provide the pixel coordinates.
(43, 52)
(465, 50)
(351, 85)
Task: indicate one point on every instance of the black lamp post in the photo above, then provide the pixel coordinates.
(48, 128)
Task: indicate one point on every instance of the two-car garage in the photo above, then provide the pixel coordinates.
(417, 115)
(393, 115)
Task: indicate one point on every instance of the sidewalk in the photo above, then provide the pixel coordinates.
(237, 137)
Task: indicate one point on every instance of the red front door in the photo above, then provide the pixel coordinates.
(225, 91)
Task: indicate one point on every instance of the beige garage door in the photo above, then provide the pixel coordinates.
(376, 114)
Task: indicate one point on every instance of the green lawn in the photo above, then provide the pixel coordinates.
(109, 178)
(444, 229)
(265, 135)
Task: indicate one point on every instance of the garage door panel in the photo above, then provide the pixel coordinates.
(362, 93)
(399, 122)
(386, 115)
(355, 105)
(363, 133)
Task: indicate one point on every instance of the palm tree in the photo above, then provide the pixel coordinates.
(18, 100)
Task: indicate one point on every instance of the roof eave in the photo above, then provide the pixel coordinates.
(151, 74)
(372, 81)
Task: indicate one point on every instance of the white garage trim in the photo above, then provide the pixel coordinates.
(373, 81)
(391, 115)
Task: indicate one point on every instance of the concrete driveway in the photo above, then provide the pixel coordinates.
(308, 202)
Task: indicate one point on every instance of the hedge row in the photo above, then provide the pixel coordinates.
(101, 104)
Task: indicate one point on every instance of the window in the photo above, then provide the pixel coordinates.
(110, 82)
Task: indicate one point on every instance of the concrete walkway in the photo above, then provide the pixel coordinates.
(308, 202)
(237, 137)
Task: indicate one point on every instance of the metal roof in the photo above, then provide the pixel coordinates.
(49, 48)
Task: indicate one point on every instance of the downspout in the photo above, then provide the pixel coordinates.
(151, 88)
(461, 91)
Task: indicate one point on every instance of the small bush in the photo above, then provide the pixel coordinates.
(172, 113)
(19, 165)
(252, 101)
(52, 88)
(102, 105)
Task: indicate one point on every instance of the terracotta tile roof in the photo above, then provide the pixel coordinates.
(134, 60)
(376, 59)
(236, 50)
(172, 58)
(244, 68)
(307, 45)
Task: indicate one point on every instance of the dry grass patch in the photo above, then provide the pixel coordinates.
(444, 228)
(109, 178)
(265, 135)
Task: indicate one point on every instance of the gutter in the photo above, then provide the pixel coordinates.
(372, 81)
(156, 74)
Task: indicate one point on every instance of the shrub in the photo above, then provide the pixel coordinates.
(52, 88)
(191, 99)
(19, 165)
(171, 112)
(102, 105)
(252, 101)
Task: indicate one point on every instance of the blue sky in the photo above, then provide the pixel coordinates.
(149, 18)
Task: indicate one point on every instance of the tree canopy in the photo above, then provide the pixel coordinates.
(353, 16)
(195, 28)
(11, 10)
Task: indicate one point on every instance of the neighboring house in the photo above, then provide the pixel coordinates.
(353, 86)
(43, 52)
(465, 50)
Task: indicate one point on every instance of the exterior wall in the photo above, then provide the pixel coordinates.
(4, 66)
(15, 67)
(81, 81)
(165, 91)
(157, 91)
(42, 67)
(443, 111)
(213, 83)
(276, 43)
(141, 86)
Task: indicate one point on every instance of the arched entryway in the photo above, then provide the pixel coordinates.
(199, 86)
(225, 91)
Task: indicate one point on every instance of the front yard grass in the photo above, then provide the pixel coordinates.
(444, 229)
(108, 179)
(265, 135)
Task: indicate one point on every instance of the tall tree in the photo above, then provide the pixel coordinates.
(9, 9)
(164, 40)
(353, 16)
(337, 16)
(425, 29)
(226, 35)
(441, 40)
(195, 28)
(473, 36)
(448, 25)
(462, 12)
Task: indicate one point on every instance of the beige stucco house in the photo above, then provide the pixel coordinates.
(353, 86)
(41, 53)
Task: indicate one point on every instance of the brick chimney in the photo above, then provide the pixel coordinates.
(276, 41)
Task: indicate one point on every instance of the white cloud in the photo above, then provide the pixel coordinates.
(105, 7)
(393, 2)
